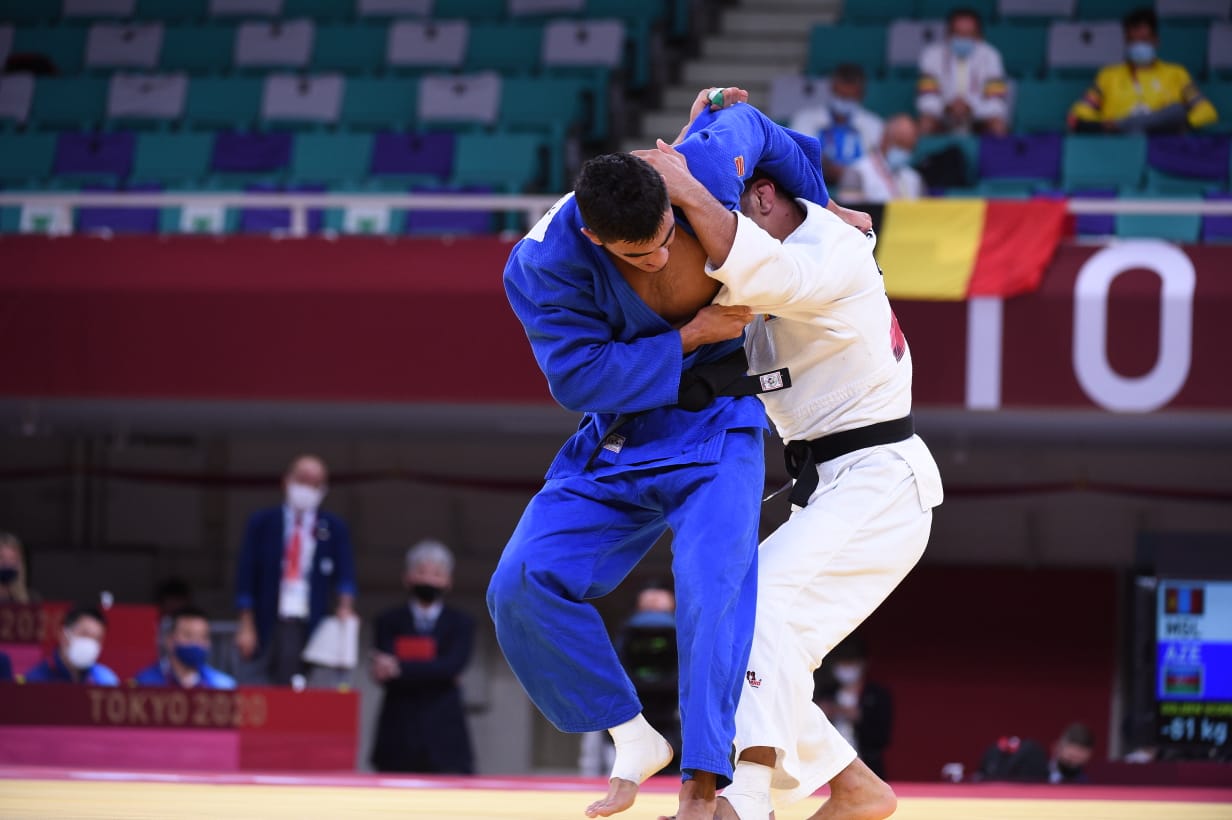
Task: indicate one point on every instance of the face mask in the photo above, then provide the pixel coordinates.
(304, 498)
(1140, 53)
(847, 675)
(82, 652)
(191, 655)
(897, 158)
(426, 593)
(7, 575)
(843, 108)
(962, 47)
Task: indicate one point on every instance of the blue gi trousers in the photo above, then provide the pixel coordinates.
(581, 535)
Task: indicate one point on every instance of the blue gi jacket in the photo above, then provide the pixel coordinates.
(53, 670)
(160, 674)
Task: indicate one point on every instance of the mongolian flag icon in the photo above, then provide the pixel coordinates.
(1184, 601)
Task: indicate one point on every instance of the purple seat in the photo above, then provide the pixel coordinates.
(119, 220)
(95, 154)
(451, 222)
(1088, 224)
(1217, 228)
(426, 155)
(243, 153)
(1021, 157)
(269, 220)
(1190, 155)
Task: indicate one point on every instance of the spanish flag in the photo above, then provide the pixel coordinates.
(953, 249)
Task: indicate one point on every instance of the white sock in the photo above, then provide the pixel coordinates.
(749, 792)
(640, 750)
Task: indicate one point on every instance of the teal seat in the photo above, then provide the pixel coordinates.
(26, 158)
(65, 46)
(25, 12)
(69, 102)
(552, 106)
(1023, 47)
(1185, 45)
(830, 45)
(172, 158)
(890, 97)
(198, 49)
(172, 10)
(932, 143)
(349, 48)
(1093, 161)
(331, 158)
(1104, 9)
(1041, 106)
(504, 47)
(1158, 182)
(472, 9)
(643, 20)
(940, 9)
(597, 82)
(318, 10)
(1009, 188)
(223, 102)
(1220, 95)
(870, 11)
(507, 162)
(384, 103)
(1183, 228)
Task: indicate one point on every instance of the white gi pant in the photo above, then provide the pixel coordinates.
(819, 576)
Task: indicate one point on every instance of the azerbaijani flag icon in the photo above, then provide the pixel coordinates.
(1184, 601)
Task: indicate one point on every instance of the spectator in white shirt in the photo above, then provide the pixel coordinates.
(962, 86)
(847, 130)
(886, 172)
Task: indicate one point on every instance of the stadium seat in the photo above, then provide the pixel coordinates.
(245, 8)
(539, 8)
(349, 48)
(1183, 228)
(1200, 157)
(331, 158)
(146, 100)
(508, 162)
(112, 220)
(1007, 188)
(394, 8)
(1192, 10)
(644, 21)
(198, 49)
(68, 102)
(6, 42)
(319, 10)
(459, 99)
(830, 45)
(1220, 95)
(1023, 47)
(64, 46)
(1219, 50)
(123, 45)
(1157, 182)
(278, 220)
(26, 158)
(241, 155)
(223, 102)
(300, 99)
(790, 93)
(872, 11)
(171, 10)
(97, 156)
(1185, 45)
(1036, 158)
(406, 157)
(172, 159)
(1034, 10)
(551, 106)
(583, 43)
(471, 9)
(1217, 228)
(1103, 9)
(26, 12)
(969, 145)
(1041, 106)
(277, 44)
(1097, 160)
(889, 97)
(509, 48)
(420, 44)
(436, 222)
(906, 39)
(16, 97)
(1082, 48)
(938, 9)
(379, 102)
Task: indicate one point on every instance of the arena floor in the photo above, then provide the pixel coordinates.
(54, 793)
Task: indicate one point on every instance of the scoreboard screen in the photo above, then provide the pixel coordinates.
(1193, 683)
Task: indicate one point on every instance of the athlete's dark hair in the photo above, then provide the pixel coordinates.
(188, 612)
(1144, 16)
(621, 198)
(1079, 735)
(84, 611)
(964, 11)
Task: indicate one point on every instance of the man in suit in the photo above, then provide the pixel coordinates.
(295, 562)
(421, 649)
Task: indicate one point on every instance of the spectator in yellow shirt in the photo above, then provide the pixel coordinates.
(1142, 94)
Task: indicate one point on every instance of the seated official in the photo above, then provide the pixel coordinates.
(75, 660)
(187, 648)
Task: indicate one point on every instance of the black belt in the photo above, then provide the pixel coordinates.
(802, 457)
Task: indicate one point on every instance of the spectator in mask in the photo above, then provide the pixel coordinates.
(294, 565)
(186, 649)
(421, 649)
(885, 173)
(846, 129)
(860, 709)
(13, 589)
(1143, 93)
(962, 88)
(75, 659)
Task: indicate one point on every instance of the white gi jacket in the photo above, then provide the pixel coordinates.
(980, 80)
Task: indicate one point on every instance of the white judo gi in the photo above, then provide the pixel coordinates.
(825, 315)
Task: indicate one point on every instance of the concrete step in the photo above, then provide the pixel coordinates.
(757, 23)
(701, 73)
(741, 49)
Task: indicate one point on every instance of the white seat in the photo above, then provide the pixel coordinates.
(1219, 46)
(245, 8)
(395, 8)
(1036, 8)
(417, 43)
(790, 93)
(277, 43)
(16, 93)
(1085, 45)
(583, 42)
(146, 96)
(907, 38)
(123, 45)
(460, 97)
(313, 97)
(98, 8)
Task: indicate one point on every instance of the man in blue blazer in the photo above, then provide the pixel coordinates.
(295, 563)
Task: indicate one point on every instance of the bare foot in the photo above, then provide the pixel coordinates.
(857, 794)
(634, 763)
(697, 799)
(620, 795)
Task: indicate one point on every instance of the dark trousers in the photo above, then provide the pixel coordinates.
(282, 657)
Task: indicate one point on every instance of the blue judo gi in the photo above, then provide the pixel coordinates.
(605, 353)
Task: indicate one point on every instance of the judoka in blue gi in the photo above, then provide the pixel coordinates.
(612, 294)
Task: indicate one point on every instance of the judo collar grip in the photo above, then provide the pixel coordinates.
(700, 385)
(802, 457)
